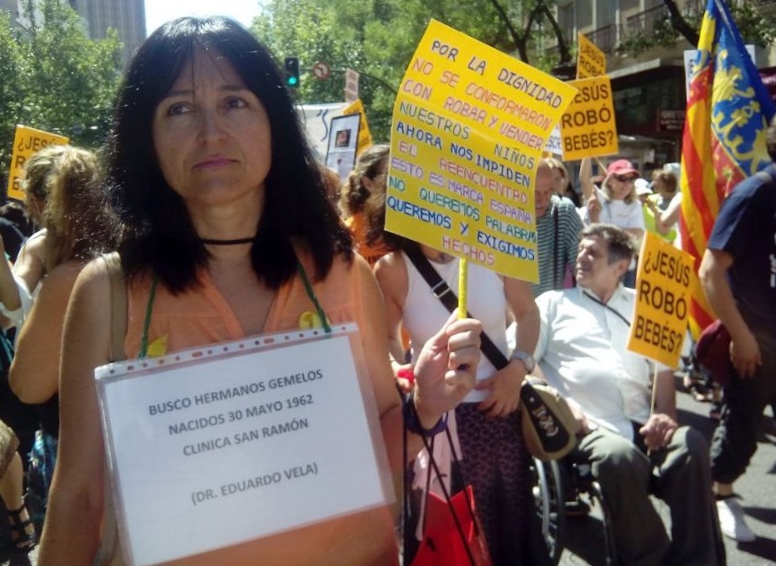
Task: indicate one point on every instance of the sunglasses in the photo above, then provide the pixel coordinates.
(624, 178)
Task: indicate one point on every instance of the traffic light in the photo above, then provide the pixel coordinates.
(292, 72)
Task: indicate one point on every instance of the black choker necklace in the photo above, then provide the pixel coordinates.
(226, 242)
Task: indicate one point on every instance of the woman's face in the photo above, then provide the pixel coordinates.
(212, 135)
(621, 186)
(559, 182)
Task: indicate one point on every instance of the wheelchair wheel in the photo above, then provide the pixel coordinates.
(548, 500)
(606, 519)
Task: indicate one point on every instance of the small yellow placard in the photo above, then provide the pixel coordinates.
(591, 61)
(469, 126)
(364, 135)
(26, 142)
(664, 286)
(588, 128)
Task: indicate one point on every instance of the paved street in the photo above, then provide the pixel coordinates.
(757, 487)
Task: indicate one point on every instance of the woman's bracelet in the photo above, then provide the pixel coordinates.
(412, 421)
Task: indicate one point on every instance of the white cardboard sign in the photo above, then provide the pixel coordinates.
(216, 446)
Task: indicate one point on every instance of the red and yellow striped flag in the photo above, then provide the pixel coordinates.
(728, 111)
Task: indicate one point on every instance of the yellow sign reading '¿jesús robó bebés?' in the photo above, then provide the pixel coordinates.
(664, 285)
(588, 127)
(591, 61)
(26, 142)
(469, 126)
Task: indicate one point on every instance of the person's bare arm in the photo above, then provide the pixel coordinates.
(29, 265)
(34, 373)
(391, 274)
(444, 372)
(505, 384)
(9, 291)
(586, 178)
(666, 219)
(77, 489)
(744, 350)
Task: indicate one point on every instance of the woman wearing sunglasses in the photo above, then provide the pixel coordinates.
(615, 202)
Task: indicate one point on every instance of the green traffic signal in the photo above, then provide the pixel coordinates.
(291, 65)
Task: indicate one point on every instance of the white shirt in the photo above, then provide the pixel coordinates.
(424, 314)
(616, 212)
(582, 352)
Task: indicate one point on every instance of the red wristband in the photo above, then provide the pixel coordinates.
(406, 373)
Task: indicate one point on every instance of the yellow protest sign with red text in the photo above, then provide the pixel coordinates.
(664, 285)
(469, 126)
(26, 142)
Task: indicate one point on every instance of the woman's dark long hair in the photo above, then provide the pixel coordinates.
(157, 232)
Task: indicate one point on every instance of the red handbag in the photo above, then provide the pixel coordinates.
(713, 352)
(452, 535)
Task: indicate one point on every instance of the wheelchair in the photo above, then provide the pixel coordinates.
(557, 481)
(549, 497)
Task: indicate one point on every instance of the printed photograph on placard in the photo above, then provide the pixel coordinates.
(343, 140)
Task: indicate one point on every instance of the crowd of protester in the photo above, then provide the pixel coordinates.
(207, 168)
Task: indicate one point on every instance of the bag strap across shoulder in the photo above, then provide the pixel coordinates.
(444, 293)
(108, 552)
(118, 297)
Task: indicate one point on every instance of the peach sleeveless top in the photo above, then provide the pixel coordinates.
(203, 317)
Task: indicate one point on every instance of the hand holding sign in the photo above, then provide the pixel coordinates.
(449, 363)
(658, 430)
(593, 207)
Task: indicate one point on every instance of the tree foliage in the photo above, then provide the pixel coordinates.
(53, 77)
(378, 37)
(675, 24)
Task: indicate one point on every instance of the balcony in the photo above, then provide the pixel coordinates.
(646, 21)
(605, 38)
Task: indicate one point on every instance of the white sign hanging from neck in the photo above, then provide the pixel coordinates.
(260, 427)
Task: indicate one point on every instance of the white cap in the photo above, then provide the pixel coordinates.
(642, 187)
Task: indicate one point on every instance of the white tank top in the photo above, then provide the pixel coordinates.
(424, 314)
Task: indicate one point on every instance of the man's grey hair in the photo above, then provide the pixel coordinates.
(619, 243)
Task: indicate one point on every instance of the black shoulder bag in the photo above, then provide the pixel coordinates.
(548, 424)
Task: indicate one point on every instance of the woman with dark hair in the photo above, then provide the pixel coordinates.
(226, 233)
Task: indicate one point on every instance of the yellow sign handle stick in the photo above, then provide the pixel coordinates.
(654, 394)
(463, 271)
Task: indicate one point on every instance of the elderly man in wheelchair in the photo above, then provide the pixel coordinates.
(634, 451)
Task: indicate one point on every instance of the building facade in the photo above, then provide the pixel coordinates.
(649, 90)
(125, 16)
